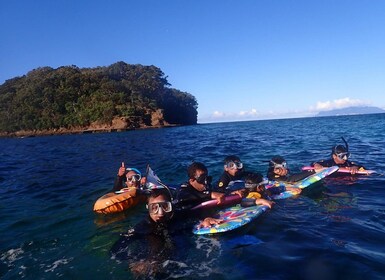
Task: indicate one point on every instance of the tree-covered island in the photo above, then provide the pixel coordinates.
(72, 100)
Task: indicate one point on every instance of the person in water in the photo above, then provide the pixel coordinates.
(233, 171)
(256, 192)
(197, 189)
(151, 242)
(339, 157)
(255, 185)
(127, 179)
(279, 171)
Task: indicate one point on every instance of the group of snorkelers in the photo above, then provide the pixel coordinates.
(166, 205)
(198, 187)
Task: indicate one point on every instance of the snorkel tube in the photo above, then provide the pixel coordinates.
(346, 144)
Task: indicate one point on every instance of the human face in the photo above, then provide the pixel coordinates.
(232, 167)
(339, 160)
(133, 179)
(200, 181)
(159, 209)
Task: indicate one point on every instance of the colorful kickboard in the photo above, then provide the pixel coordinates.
(229, 200)
(345, 170)
(233, 217)
(303, 183)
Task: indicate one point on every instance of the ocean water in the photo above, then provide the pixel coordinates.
(336, 230)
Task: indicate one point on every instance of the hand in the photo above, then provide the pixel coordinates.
(122, 170)
(241, 193)
(220, 197)
(265, 202)
(295, 191)
(208, 222)
(353, 169)
(317, 166)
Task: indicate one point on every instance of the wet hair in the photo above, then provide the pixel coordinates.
(253, 178)
(339, 149)
(158, 192)
(231, 158)
(277, 160)
(192, 169)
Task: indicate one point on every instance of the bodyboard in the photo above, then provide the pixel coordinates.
(345, 170)
(314, 178)
(229, 200)
(233, 217)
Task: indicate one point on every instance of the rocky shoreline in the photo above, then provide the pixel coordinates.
(65, 131)
(119, 124)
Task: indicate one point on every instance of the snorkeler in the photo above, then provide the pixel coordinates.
(278, 171)
(339, 157)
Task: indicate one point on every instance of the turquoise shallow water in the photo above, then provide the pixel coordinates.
(48, 186)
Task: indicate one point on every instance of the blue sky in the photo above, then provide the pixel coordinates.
(242, 60)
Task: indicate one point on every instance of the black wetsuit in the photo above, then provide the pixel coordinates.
(148, 241)
(151, 248)
(187, 197)
(119, 183)
(226, 178)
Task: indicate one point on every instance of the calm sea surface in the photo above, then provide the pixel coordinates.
(48, 186)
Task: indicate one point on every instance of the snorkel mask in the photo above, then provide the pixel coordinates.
(204, 179)
(342, 152)
(136, 177)
(234, 165)
(279, 165)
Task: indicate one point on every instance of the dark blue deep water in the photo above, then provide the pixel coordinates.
(48, 186)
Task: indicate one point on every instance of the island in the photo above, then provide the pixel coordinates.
(354, 110)
(70, 99)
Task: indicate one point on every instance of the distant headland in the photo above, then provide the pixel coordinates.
(357, 110)
(48, 101)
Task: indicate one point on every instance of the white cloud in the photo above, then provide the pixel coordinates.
(251, 113)
(218, 114)
(338, 104)
(254, 114)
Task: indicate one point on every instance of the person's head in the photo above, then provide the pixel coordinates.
(133, 177)
(278, 165)
(254, 182)
(198, 176)
(233, 164)
(340, 154)
(159, 205)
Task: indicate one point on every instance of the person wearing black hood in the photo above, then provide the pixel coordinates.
(233, 172)
(339, 157)
(279, 171)
(154, 240)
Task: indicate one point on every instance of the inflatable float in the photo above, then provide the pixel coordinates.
(114, 202)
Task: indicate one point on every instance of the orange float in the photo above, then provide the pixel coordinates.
(118, 202)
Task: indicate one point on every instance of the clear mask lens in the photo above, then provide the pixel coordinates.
(280, 165)
(154, 208)
(234, 165)
(134, 178)
(343, 156)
